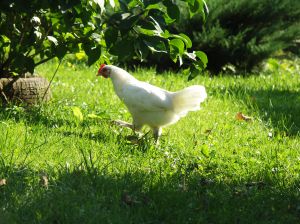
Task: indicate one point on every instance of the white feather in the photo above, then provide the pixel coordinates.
(189, 99)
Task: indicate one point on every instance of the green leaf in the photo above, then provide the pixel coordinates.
(206, 10)
(163, 9)
(157, 6)
(123, 49)
(29, 65)
(172, 9)
(202, 56)
(146, 31)
(55, 20)
(180, 60)
(205, 151)
(190, 2)
(179, 44)
(142, 51)
(38, 35)
(23, 64)
(134, 3)
(186, 40)
(4, 41)
(166, 34)
(112, 3)
(69, 36)
(77, 113)
(176, 50)
(156, 25)
(60, 51)
(53, 40)
(110, 36)
(196, 7)
(93, 116)
(128, 21)
(191, 56)
(156, 45)
(194, 71)
(4, 46)
(186, 72)
(168, 19)
(93, 53)
(99, 115)
(96, 37)
(101, 4)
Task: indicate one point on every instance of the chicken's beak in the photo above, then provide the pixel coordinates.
(100, 72)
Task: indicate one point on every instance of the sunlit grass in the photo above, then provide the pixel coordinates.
(209, 168)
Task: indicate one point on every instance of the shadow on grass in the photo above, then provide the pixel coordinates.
(88, 197)
(281, 108)
(34, 116)
(98, 136)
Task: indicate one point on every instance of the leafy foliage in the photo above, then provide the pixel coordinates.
(127, 29)
(244, 33)
(43, 30)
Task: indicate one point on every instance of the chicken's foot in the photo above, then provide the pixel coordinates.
(123, 124)
(157, 133)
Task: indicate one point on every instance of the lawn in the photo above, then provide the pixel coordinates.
(210, 167)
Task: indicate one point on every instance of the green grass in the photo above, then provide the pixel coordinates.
(209, 168)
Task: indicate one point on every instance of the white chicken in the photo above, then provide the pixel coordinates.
(150, 105)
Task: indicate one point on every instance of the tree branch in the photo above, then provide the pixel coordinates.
(43, 61)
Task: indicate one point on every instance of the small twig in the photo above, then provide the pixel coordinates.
(51, 79)
(4, 96)
(43, 61)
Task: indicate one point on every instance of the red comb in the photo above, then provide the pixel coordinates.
(101, 68)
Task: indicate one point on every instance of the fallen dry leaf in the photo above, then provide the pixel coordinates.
(127, 199)
(241, 117)
(2, 182)
(44, 181)
(206, 181)
(133, 139)
(208, 131)
(258, 184)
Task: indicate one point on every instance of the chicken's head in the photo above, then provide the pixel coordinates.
(104, 71)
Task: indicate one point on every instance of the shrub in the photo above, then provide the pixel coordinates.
(41, 30)
(244, 32)
(34, 33)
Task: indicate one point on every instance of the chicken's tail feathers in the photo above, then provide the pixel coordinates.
(188, 99)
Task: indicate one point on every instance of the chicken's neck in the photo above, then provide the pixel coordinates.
(121, 77)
